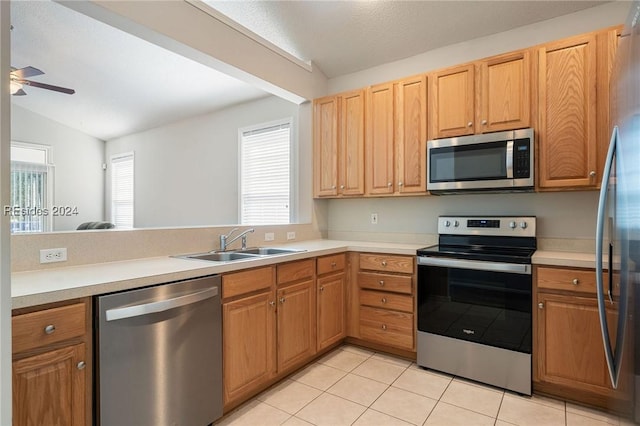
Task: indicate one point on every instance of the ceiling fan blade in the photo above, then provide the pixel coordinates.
(47, 86)
(20, 92)
(26, 72)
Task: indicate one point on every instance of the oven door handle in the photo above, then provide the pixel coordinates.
(513, 268)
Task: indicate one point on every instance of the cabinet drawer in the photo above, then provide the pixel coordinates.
(48, 326)
(246, 281)
(387, 263)
(386, 300)
(395, 283)
(294, 271)
(567, 279)
(333, 263)
(386, 327)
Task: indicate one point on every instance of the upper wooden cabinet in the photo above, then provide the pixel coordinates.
(396, 137)
(485, 96)
(573, 110)
(339, 145)
(567, 78)
(451, 102)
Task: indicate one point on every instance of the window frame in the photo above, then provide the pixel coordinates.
(122, 155)
(293, 165)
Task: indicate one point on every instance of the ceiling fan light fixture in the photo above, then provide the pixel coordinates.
(14, 86)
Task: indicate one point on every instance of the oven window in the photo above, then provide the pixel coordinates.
(486, 161)
(491, 308)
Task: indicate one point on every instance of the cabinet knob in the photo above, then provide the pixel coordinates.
(400, 183)
(384, 263)
(341, 186)
(384, 326)
(389, 184)
(282, 299)
(272, 303)
(334, 264)
(321, 289)
(384, 300)
(333, 187)
(592, 173)
(381, 282)
(49, 329)
(484, 122)
(81, 365)
(575, 281)
(540, 305)
(469, 124)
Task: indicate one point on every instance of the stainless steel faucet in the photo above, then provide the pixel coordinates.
(224, 239)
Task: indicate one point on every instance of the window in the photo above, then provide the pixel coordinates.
(31, 188)
(265, 174)
(122, 190)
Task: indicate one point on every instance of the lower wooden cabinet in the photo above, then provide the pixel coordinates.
(296, 324)
(331, 300)
(569, 359)
(51, 371)
(249, 350)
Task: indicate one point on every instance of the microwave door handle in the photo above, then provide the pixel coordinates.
(509, 159)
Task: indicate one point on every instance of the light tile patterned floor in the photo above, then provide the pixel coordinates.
(355, 386)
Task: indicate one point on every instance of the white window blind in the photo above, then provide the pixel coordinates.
(31, 188)
(265, 175)
(122, 173)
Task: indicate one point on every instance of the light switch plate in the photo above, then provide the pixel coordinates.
(269, 236)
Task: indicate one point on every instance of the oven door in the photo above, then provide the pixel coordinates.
(483, 302)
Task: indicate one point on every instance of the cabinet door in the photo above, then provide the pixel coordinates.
(351, 143)
(331, 311)
(380, 140)
(50, 388)
(411, 135)
(325, 137)
(570, 349)
(451, 102)
(296, 324)
(248, 344)
(505, 100)
(567, 113)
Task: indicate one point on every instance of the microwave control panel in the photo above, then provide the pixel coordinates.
(521, 158)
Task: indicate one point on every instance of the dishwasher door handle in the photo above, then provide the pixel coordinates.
(160, 306)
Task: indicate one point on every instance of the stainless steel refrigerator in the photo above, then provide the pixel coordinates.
(618, 223)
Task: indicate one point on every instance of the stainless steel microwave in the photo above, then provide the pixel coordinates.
(499, 162)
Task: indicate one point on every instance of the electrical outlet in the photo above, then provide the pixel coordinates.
(374, 218)
(291, 235)
(53, 255)
(269, 236)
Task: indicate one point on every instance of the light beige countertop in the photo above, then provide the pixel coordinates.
(569, 259)
(52, 285)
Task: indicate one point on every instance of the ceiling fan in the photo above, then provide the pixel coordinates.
(18, 80)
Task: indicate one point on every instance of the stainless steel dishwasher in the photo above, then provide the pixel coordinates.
(159, 355)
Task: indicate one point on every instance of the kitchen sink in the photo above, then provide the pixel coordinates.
(220, 257)
(267, 251)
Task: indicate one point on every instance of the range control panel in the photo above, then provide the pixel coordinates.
(517, 226)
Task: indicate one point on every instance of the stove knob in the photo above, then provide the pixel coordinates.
(447, 223)
(523, 225)
(456, 223)
(512, 224)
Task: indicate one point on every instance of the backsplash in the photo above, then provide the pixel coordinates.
(100, 246)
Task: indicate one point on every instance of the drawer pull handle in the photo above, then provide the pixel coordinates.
(384, 300)
(540, 305)
(381, 282)
(576, 281)
(384, 326)
(49, 329)
(333, 264)
(384, 263)
(81, 365)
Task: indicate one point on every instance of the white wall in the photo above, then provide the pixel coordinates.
(186, 173)
(78, 158)
(560, 215)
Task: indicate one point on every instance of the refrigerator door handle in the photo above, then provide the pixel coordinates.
(602, 312)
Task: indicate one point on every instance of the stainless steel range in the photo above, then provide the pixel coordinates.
(475, 300)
